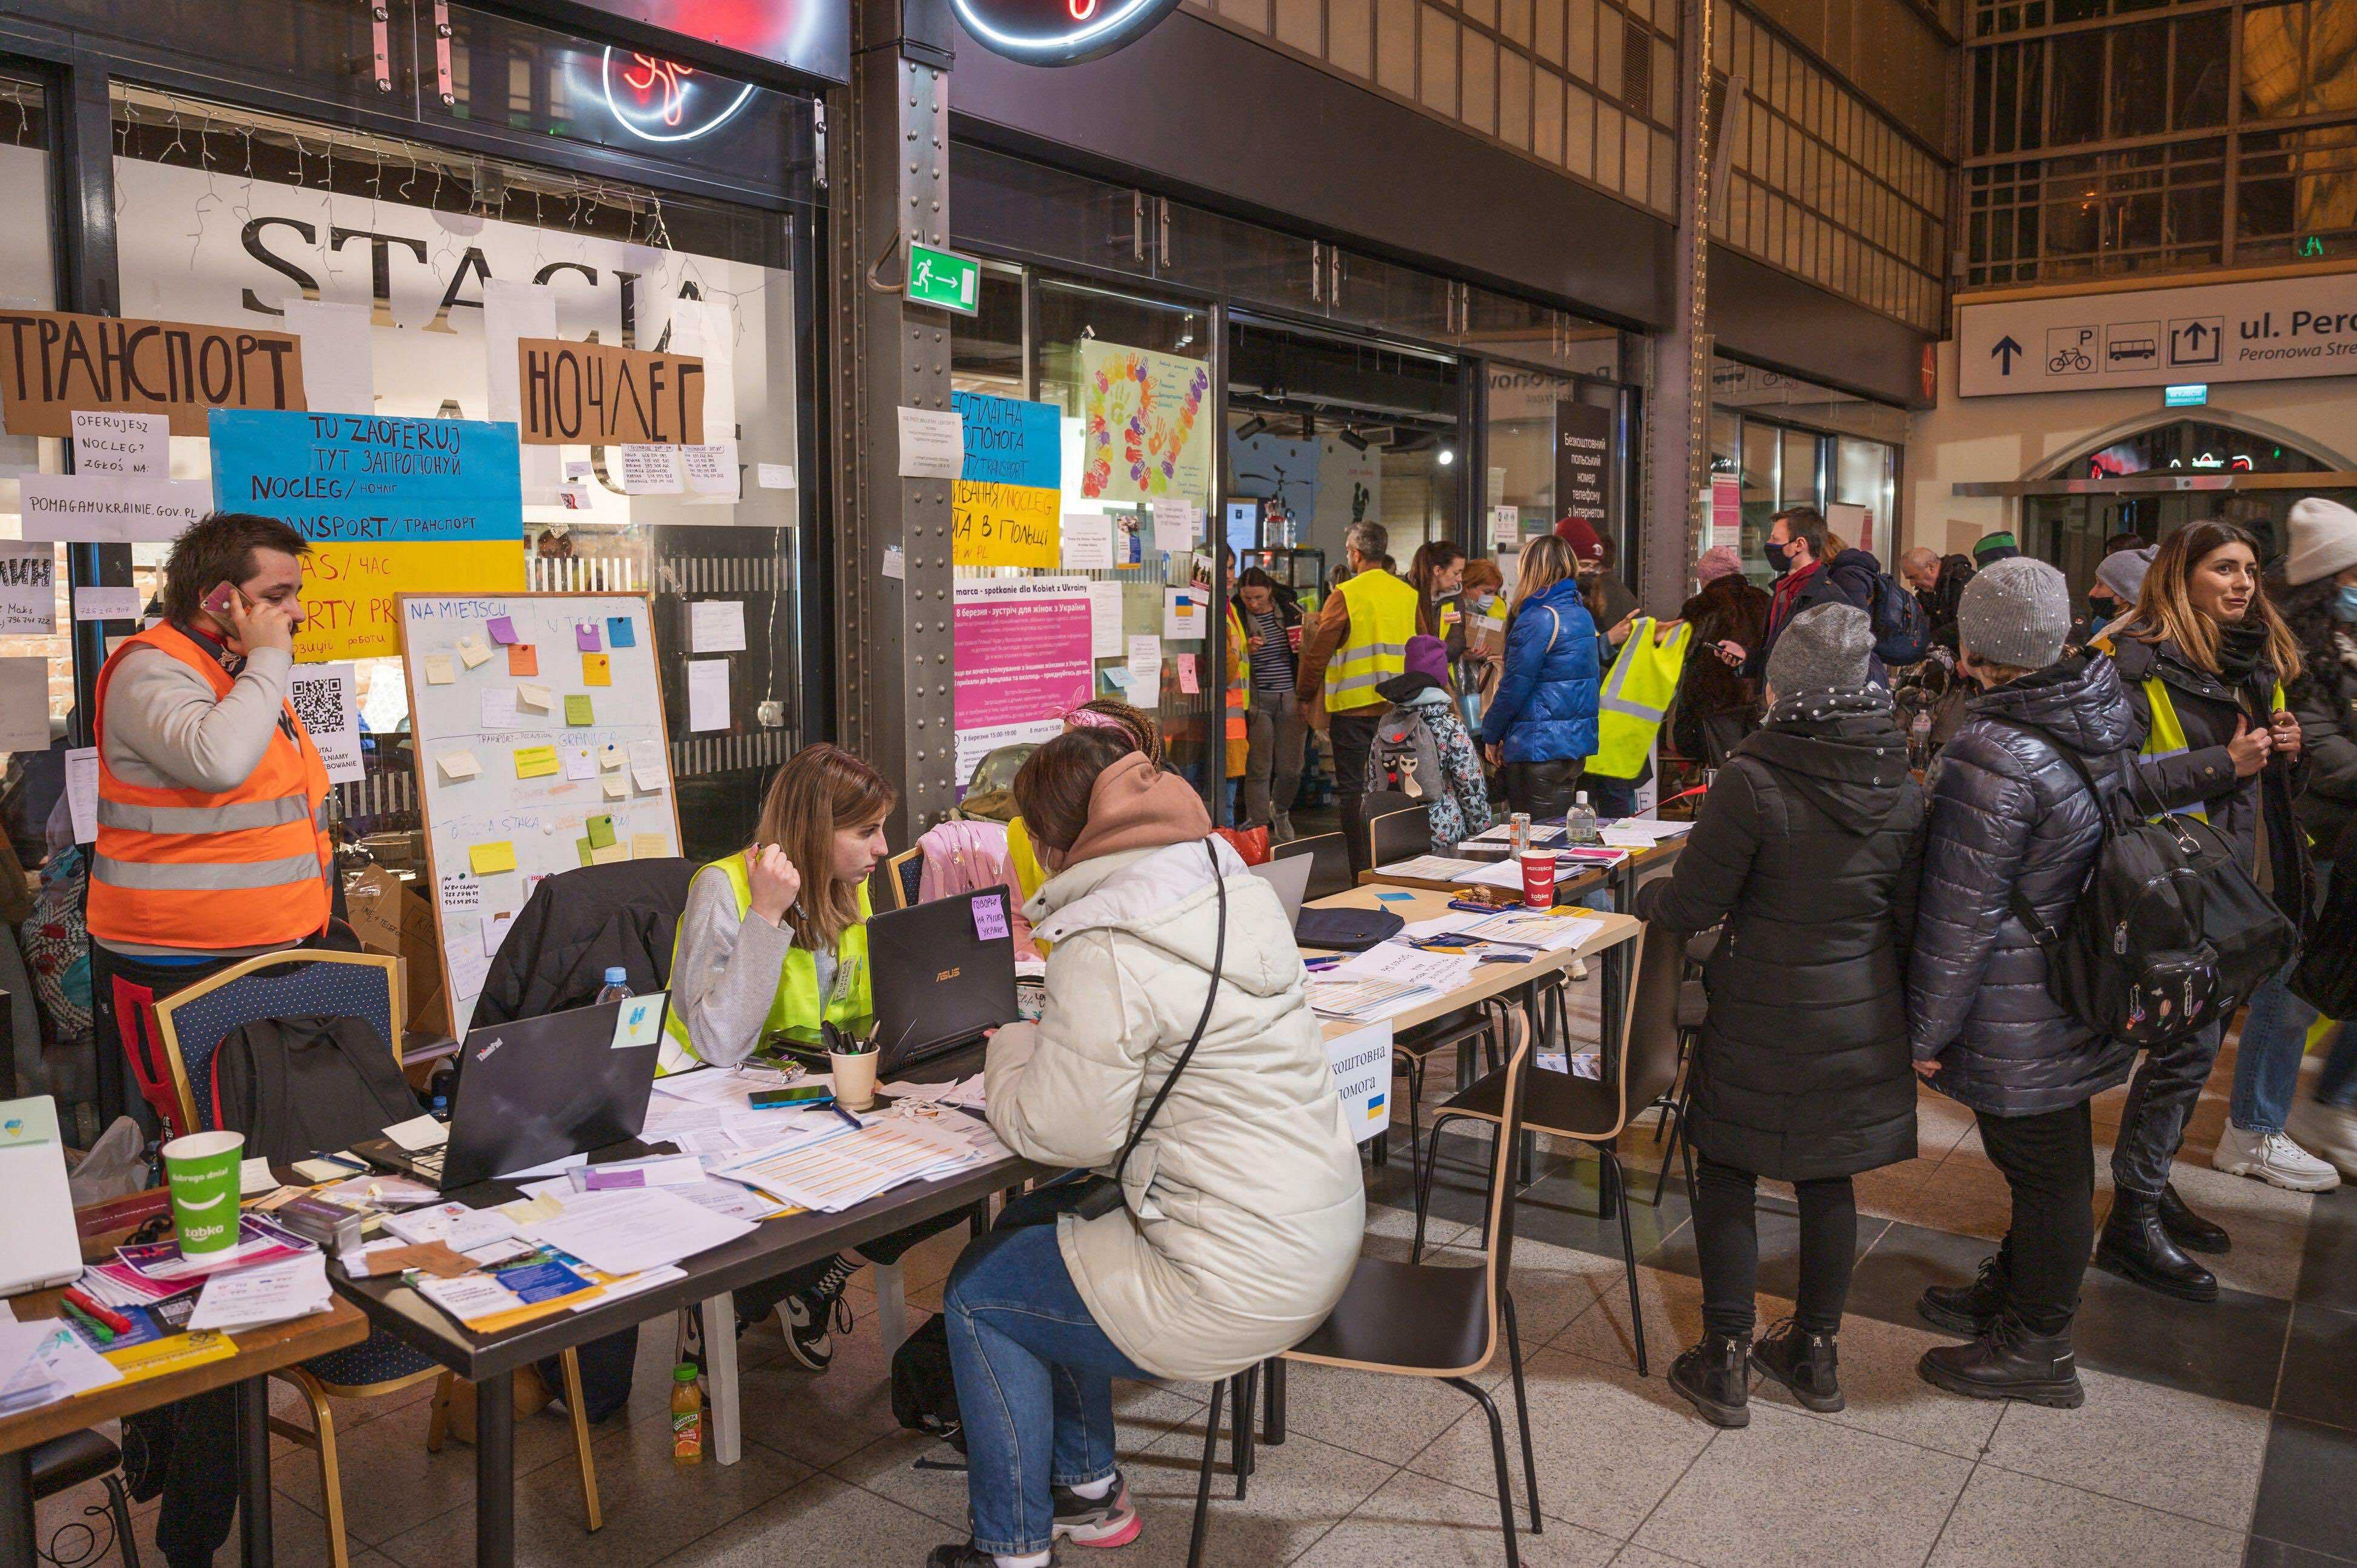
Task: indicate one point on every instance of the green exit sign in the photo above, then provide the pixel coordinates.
(2185, 394)
(945, 279)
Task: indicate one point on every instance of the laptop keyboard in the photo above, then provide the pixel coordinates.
(429, 1165)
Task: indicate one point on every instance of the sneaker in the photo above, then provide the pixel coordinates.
(1807, 1364)
(2329, 1130)
(808, 1314)
(966, 1555)
(1106, 1521)
(1715, 1377)
(2273, 1158)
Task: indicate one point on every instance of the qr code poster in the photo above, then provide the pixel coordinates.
(326, 699)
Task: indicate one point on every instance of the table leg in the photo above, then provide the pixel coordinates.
(253, 1471)
(1272, 1429)
(17, 1538)
(495, 1470)
(891, 1307)
(720, 1378)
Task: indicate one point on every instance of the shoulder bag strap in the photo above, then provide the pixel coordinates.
(1219, 960)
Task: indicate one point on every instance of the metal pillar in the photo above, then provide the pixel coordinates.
(888, 166)
(1677, 453)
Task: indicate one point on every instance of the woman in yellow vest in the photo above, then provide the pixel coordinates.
(775, 938)
(2202, 657)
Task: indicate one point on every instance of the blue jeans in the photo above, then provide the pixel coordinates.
(1611, 798)
(1033, 1376)
(2274, 1037)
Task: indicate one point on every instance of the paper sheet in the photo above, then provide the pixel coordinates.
(652, 470)
(1183, 618)
(1410, 966)
(708, 693)
(1431, 867)
(1105, 621)
(497, 707)
(419, 1134)
(1087, 541)
(621, 1232)
(932, 443)
(1145, 667)
(245, 1298)
(715, 626)
(458, 766)
(115, 445)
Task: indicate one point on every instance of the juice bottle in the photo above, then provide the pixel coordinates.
(686, 1416)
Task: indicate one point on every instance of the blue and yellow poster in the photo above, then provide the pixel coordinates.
(1005, 506)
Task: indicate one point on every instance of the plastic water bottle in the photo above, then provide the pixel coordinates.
(1579, 823)
(618, 984)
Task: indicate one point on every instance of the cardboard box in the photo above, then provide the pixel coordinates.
(390, 916)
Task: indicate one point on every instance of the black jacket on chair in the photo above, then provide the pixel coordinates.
(577, 924)
(1806, 848)
(2007, 812)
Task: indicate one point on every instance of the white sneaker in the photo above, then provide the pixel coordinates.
(2272, 1158)
(2328, 1129)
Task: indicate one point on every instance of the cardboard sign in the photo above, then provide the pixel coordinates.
(589, 394)
(53, 363)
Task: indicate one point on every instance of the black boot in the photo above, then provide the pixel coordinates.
(2188, 1229)
(1805, 1363)
(1966, 1309)
(1716, 1379)
(2008, 1362)
(2136, 1247)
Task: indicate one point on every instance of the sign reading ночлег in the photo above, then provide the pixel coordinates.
(589, 394)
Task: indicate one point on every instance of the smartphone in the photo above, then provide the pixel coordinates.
(216, 603)
(805, 1094)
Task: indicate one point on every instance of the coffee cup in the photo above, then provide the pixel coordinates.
(854, 1078)
(1538, 878)
(201, 1170)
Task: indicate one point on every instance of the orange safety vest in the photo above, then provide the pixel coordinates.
(1238, 667)
(187, 868)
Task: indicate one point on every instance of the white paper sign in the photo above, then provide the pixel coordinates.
(1361, 1060)
(932, 442)
(1505, 526)
(1183, 616)
(513, 309)
(1088, 542)
(74, 510)
(651, 470)
(122, 445)
(24, 704)
(1105, 621)
(715, 626)
(28, 587)
(774, 476)
(81, 792)
(708, 693)
(1145, 669)
(1172, 529)
(896, 563)
(973, 745)
(327, 698)
(711, 471)
(106, 603)
(338, 357)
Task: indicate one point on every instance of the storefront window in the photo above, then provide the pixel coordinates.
(230, 217)
(35, 617)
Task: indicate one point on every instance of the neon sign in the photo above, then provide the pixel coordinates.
(658, 100)
(1057, 32)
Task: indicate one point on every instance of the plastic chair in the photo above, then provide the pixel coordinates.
(63, 1463)
(1418, 1320)
(1584, 1111)
(1330, 869)
(307, 983)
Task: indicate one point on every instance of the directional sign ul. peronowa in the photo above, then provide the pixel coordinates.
(2274, 331)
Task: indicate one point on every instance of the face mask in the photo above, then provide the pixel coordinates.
(1482, 602)
(2345, 606)
(1780, 556)
(2099, 610)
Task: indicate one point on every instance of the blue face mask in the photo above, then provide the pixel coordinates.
(2345, 606)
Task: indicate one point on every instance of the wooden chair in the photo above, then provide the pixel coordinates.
(900, 875)
(1419, 1320)
(1330, 869)
(308, 982)
(1583, 1110)
(1399, 834)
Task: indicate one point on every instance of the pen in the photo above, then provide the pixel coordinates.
(98, 1310)
(855, 1122)
(96, 1329)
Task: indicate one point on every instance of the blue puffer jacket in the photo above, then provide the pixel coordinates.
(1545, 707)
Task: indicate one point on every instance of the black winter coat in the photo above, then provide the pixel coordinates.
(2008, 811)
(2325, 698)
(1806, 848)
(575, 927)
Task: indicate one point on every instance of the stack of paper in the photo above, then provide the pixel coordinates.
(1431, 867)
(965, 1094)
(1534, 929)
(1343, 997)
(454, 1225)
(156, 1269)
(630, 1229)
(248, 1298)
(43, 1361)
(1567, 862)
(834, 1173)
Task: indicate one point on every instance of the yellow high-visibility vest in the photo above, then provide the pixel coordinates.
(2166, 734)
(1637, 691)
(797, 1003)
(1383, 618)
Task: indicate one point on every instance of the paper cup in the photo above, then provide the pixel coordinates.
(1538, 878)
(201, 1169)
(854, 1078)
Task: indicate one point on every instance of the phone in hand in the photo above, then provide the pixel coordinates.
(805, 1094)
(216, 603)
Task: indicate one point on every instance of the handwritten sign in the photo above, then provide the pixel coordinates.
(28, 587)
(390, 505)
(53, 363)
(591, 394)
(1005, 508)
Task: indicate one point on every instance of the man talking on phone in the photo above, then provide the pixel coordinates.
(212, 840)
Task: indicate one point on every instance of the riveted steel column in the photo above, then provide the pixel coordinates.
(1677, 413)
(888, 159)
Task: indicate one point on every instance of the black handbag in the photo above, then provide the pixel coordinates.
(2326, 977)
(1346, 930)
(1103, 1194)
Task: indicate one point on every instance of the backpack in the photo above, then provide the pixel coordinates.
(1903, 631)
(1404, 758)
(924, 1391)
(296, 1085)
(2168, 935)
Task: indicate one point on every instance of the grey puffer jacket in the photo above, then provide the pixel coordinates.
(2007, 810)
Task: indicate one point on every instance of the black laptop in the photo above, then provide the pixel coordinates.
(936, 982)
(539, 1089)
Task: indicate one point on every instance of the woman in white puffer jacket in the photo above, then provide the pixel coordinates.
(1242, 1205)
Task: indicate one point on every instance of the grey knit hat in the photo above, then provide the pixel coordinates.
(2016, 612)
(1825, 647)
(2123, 572)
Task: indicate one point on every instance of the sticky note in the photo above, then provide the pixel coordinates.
(458, 764)
(648, 846)
(523, 659)
(648, 777)
(580, 762)
(536, 761)
(584, 849)
(1396, 897)
(1119, 674)
(597, 669)
(498, 705)
(621, 631)
(1187, 682)
(502, 630)
(610, 853)
(585, 637)
(613, 756)
(578, 710)
(532, 696)
(989, 917)
(487, 858)
(601, 832)
(617, 787)
(439, 671)
(473, 650)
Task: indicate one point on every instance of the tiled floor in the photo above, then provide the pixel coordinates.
(2211, 1436)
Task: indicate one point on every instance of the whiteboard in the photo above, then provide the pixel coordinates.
(542, 822)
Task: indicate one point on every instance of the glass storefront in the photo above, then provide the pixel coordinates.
(36, 647)
(1777, 441)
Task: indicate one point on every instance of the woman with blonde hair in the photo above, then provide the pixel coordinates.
(1541, 726)
(2204, 658)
